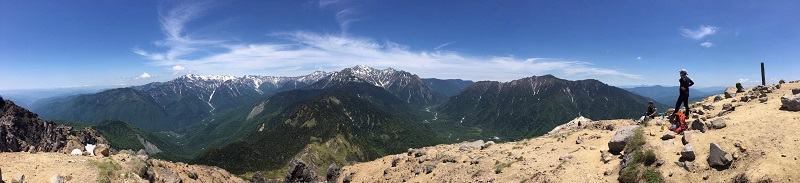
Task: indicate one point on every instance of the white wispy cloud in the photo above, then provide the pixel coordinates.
(303, 52)
(443, 45)
(177, 69)
(707, 44)
(638, 58)
(700, 32)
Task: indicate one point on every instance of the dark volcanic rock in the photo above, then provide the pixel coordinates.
(333, 173)
(300, 172)
(718, 157)
(23, 130)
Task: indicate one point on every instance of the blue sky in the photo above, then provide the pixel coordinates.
(49, 44)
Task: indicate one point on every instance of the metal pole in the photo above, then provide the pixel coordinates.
(763, 79)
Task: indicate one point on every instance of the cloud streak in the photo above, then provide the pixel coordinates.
(302, 52)
(700, 32)
(707, 44)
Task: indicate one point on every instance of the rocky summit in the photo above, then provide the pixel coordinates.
(750, 144)
(22, 131)
(35, 150)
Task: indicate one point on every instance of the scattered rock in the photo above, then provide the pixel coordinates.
(705, 177)
(668, 135)
(795, 91)
(698, 124)
(762, 99)
(688, 152)
(333, 173)
(385, 171)
(659, 163)
(608, 172)
(592, 148)
(742, 147)
(396, 160)
(728, 107)
(300, 172)
(730, 92)
(565, 157)
(580, 140)
(718, 124)
(791, 103)
(487, 144)
(417, 171)
(617, 142)
(746, 98)
(718, 98)
(429, 168)
(717, 157)
(167, 175)
(605, 157)
(348, 178)
(191, 174)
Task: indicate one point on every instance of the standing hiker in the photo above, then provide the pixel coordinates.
(686, 82)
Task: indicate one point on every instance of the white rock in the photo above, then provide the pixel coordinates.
(76, 152)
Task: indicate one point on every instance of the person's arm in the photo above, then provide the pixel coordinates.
(690, 82)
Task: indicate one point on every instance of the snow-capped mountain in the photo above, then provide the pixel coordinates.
(226, 91)
(173, 104)
(406, 86)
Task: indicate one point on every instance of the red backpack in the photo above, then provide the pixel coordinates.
(680, 120)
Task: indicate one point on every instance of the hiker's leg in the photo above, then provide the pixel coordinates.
(678, 105)
(686, 105)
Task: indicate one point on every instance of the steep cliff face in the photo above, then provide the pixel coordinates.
(23, 131)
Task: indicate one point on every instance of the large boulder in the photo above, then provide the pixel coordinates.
(333, 173)
(718, 158)
(791, 103)
(300, 172)
(102, 150)
(469, 146)
(730, 92)
(795, 91)
(699, 125)
(617, 142)
(718, 124)
(688, 152)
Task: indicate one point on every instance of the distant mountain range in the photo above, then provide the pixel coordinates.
(533, 106)
(163, 106)
(259, 123)
(668, 95)
(351, 120)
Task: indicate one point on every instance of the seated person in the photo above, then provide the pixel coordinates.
(651, 111)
